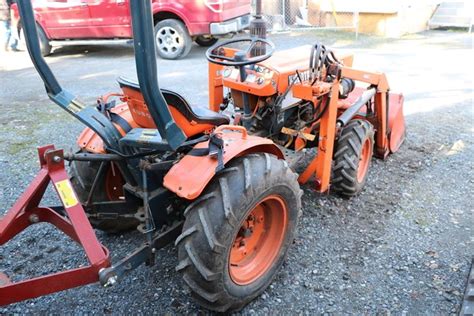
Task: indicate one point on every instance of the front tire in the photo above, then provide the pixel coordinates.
(352, 157)
(237, 234)
(172, 39)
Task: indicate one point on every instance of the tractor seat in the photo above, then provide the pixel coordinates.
(192, 120)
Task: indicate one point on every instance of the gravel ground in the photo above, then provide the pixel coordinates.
(403, 246)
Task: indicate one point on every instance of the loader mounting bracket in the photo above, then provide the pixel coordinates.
(27, 211)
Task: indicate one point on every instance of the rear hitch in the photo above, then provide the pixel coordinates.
(26, 211)
(144, 254)
(72, 220)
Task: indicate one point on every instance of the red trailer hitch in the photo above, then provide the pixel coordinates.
(26, 211)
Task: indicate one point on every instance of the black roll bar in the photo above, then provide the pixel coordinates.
(145, 59)
(29, 28)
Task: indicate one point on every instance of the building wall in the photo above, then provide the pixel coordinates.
(408, 16)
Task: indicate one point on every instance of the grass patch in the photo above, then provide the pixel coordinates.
(20, 146)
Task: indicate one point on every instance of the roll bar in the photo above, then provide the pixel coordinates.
(145, 59)
(27, 15)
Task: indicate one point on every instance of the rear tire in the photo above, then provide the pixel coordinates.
(352, 157)
(222, 224)
(204, 41)
(172, 39)
(82, 175)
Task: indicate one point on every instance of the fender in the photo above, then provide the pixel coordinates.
(38, 19)
(173, 7)
(191, 174)
(89, 141)
(41, 23)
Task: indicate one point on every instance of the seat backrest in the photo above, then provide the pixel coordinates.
(179, 108)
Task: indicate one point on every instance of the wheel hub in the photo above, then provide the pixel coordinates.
(168, 40)
(258, 241)
(114, 183)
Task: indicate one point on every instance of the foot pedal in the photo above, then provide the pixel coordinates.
(4, 279)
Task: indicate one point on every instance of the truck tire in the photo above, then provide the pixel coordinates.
(204, 41)
(172, 39)
(237, 233)
(108, 188)
(352, 155)
(45, 46)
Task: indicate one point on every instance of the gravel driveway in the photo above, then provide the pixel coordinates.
(403, 246)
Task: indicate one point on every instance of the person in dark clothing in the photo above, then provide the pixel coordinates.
(7, 39)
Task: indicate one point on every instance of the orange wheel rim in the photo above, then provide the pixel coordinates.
(114, 183)
(364, 160)
(258, 241)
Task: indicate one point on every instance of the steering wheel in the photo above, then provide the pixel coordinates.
(241, 58)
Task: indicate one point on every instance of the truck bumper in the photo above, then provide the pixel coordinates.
(230, 26)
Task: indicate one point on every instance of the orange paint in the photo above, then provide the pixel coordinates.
(364, 160)
(258, 242)
(91, 142)
(191, 174)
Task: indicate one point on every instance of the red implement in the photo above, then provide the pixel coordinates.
(26, 211)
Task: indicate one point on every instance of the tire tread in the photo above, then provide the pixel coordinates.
(202, 237)
(346, 157)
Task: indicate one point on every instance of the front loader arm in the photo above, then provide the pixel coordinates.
(381, 120)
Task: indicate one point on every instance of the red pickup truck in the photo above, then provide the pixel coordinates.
(177, 22)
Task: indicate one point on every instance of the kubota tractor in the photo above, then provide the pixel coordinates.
(215, 181)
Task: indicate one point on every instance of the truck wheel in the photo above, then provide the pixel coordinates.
(172, 39)
(206, 41)
(45, 46)
(108, 188)
(352, 156)
(237, 234)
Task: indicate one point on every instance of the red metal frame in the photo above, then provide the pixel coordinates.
(26, 211)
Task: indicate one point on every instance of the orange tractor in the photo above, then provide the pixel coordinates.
(215, 181)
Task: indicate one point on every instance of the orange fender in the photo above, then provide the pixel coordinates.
(89, 141)
(191, 174)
